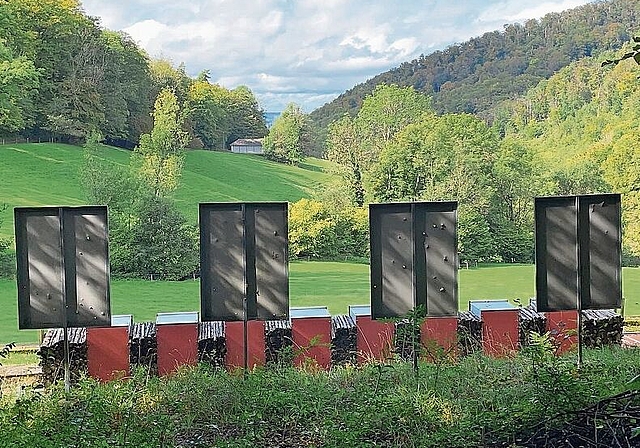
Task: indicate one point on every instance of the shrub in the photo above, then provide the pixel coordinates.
(318, 231)
(7, 260)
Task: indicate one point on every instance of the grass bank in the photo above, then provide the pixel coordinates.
(40, 174)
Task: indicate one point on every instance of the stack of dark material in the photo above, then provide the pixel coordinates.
(469, 333)
(212, 347)
(612, 422)
(405, 339)
(529, 320)
(601, 328)
(278, 342)
(343, 340)
(52, 354)
(144, 346)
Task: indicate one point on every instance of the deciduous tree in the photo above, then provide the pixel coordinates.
(18, 82)
(289, 137)
(160, 156)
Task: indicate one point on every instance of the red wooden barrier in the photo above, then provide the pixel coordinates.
(177, 346)
(234, 339)
(108, 353)
(374, 339)
(304, 330)
(499, 332)
(441, 330)
(563, 326)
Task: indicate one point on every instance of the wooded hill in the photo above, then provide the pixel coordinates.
(477, 75)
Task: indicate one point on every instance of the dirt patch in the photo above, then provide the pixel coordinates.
(18, 371)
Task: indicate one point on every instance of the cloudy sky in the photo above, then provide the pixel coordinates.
(306, 51)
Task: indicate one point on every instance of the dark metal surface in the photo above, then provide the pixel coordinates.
(63, 267)
(578, 252)
(86, 262)
(244, 254)
(413, 258)
(271, 261)
(39, 263)
(601, 274)
(439, 244)
(392, 288)
(556, 253)
(222, 262)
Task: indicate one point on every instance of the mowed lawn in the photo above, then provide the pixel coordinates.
(41, 174)
(332, 284)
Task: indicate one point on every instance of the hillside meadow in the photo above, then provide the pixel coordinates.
(332, 284)
(40, 174)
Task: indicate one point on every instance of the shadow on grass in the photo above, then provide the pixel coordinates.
(309, 167)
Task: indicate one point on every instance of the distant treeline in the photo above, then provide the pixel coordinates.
(63, 76)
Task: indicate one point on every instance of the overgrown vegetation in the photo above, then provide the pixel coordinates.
(476, 400)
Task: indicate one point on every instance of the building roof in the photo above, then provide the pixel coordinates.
(247, 142)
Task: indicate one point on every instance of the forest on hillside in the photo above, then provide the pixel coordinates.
(477, 75)
(63, 76)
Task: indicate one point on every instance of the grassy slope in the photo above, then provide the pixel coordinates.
(336, 285)
(48, 174)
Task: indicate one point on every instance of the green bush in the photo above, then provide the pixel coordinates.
(7, 260)
(319, 231)
(155, 241)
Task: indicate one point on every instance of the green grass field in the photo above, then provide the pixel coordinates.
(336, 285)
(40, 174)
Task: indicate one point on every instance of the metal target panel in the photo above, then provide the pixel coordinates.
(271, 261)
(413, 258)
(392, 292)
(439, 238)
(63, 267)
(578, 252)
(222, 261)
(602, 253)
(244, 253)
(556, 253)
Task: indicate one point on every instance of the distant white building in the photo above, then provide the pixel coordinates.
(247, 146)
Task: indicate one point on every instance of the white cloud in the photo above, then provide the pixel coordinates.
(306, 51)
(147, 32)
(518, 12)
